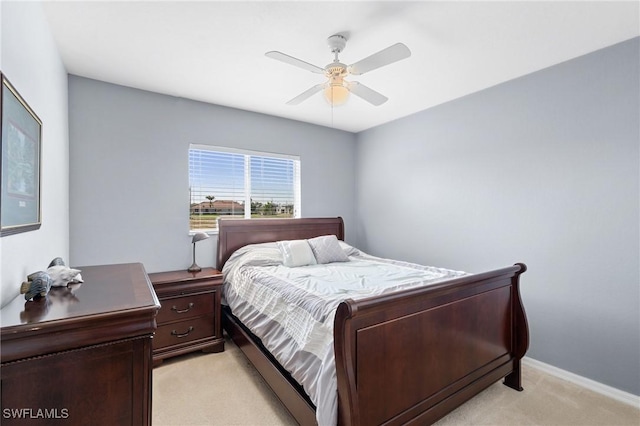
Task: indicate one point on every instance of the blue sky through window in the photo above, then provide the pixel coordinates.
(222, 175)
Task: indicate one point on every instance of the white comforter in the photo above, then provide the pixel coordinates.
(292, 309)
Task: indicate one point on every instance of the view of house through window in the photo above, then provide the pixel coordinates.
(241, 184)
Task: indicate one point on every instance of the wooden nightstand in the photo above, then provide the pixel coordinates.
(189, 316)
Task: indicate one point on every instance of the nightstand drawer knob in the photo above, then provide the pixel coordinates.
(182, 311)
(179, 335)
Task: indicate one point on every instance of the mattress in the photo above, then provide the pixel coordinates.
(292, 309)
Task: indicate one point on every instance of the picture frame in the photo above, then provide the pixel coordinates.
(20, 169)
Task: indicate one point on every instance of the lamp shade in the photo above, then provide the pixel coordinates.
(199, 236)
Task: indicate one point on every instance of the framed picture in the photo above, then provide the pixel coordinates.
(21, 155)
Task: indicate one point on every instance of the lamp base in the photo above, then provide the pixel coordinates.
(194, 268)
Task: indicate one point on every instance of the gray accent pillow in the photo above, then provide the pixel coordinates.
(327, 249)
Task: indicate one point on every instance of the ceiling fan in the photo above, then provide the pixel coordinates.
(336, 88)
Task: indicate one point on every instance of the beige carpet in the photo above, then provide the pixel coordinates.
(224, 389)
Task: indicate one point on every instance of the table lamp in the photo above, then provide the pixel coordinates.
(196, 237)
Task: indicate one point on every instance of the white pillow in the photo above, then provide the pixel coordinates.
(327, 249)
(296, 253)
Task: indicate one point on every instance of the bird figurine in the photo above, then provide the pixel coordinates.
(57, 274)
(62, 275)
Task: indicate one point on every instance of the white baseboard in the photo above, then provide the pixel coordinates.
(611, 392)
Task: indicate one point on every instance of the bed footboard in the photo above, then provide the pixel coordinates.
(418, 354)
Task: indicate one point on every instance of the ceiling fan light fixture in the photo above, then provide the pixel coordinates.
(336, 93)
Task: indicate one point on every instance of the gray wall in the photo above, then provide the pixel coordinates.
(129, 190)
(544, 170)
(30, 60)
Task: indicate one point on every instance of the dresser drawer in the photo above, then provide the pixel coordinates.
(183, 307)
(183, 332)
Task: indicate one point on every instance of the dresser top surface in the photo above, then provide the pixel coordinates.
(107, 290)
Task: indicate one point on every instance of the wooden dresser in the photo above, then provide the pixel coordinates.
(189, 318)
(82, 355)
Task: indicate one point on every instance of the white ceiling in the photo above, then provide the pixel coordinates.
(213, 51)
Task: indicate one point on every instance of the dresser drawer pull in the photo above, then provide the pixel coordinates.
(179, 335)
(182, 311)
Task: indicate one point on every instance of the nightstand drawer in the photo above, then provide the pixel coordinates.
(189, 317)
(184, 331)
(183, 307)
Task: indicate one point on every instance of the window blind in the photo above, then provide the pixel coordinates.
(241, 184)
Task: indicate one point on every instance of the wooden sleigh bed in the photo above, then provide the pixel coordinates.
(406, 357)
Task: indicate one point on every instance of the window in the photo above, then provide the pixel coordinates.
(240, 184)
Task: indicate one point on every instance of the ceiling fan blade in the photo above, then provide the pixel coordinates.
(384, 57)
(367, 94)
(306, 94)
(294, 61)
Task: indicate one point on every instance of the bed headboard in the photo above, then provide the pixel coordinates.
(236, 233)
